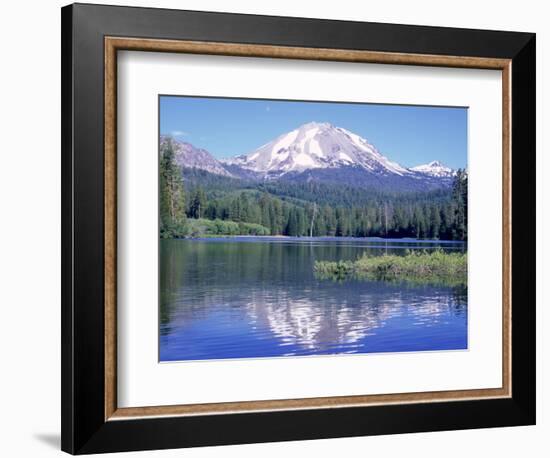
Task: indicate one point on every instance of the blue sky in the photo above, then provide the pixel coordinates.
(410, 135)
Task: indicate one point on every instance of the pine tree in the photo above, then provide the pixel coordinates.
(312, 214)
(171, 194)
(198, 203)
(301, 221)
(264, 203)
(341, 223)
(330, 221)
(292, 224)
(435, 222)
(277, 217)
(460, 200)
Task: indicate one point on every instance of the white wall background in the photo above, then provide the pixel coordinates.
(30, 227)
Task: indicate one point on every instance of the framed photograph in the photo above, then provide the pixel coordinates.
(280, 228)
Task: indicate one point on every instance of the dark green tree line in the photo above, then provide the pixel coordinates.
(304, 209)
(442, 219)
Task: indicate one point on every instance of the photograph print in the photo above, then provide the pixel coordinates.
(307, 228)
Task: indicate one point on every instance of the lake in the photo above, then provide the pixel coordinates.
(256, 297)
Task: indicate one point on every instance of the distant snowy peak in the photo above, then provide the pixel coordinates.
(434, 169)
(317, 146)
(189, 156)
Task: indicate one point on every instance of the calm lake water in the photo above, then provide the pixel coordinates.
(255, 297)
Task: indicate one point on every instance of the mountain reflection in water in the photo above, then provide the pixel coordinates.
(232, 298)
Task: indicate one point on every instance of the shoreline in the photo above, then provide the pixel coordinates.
(325, 238)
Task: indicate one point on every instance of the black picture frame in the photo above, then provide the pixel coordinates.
(84, 428)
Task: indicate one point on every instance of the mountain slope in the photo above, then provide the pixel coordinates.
(189, 156)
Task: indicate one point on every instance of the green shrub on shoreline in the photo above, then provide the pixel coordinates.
(418, 266)
(201, 227)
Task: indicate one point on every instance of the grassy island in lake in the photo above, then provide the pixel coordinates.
(436, 267)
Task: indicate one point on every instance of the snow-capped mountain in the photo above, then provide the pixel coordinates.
(317, 152)
(317, 146)
(189, 156)
(434, 169)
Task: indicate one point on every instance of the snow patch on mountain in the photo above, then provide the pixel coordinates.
(189, 156)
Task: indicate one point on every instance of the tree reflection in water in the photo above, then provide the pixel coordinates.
(233, 299)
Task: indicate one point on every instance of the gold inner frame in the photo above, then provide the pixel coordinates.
(114, 44)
